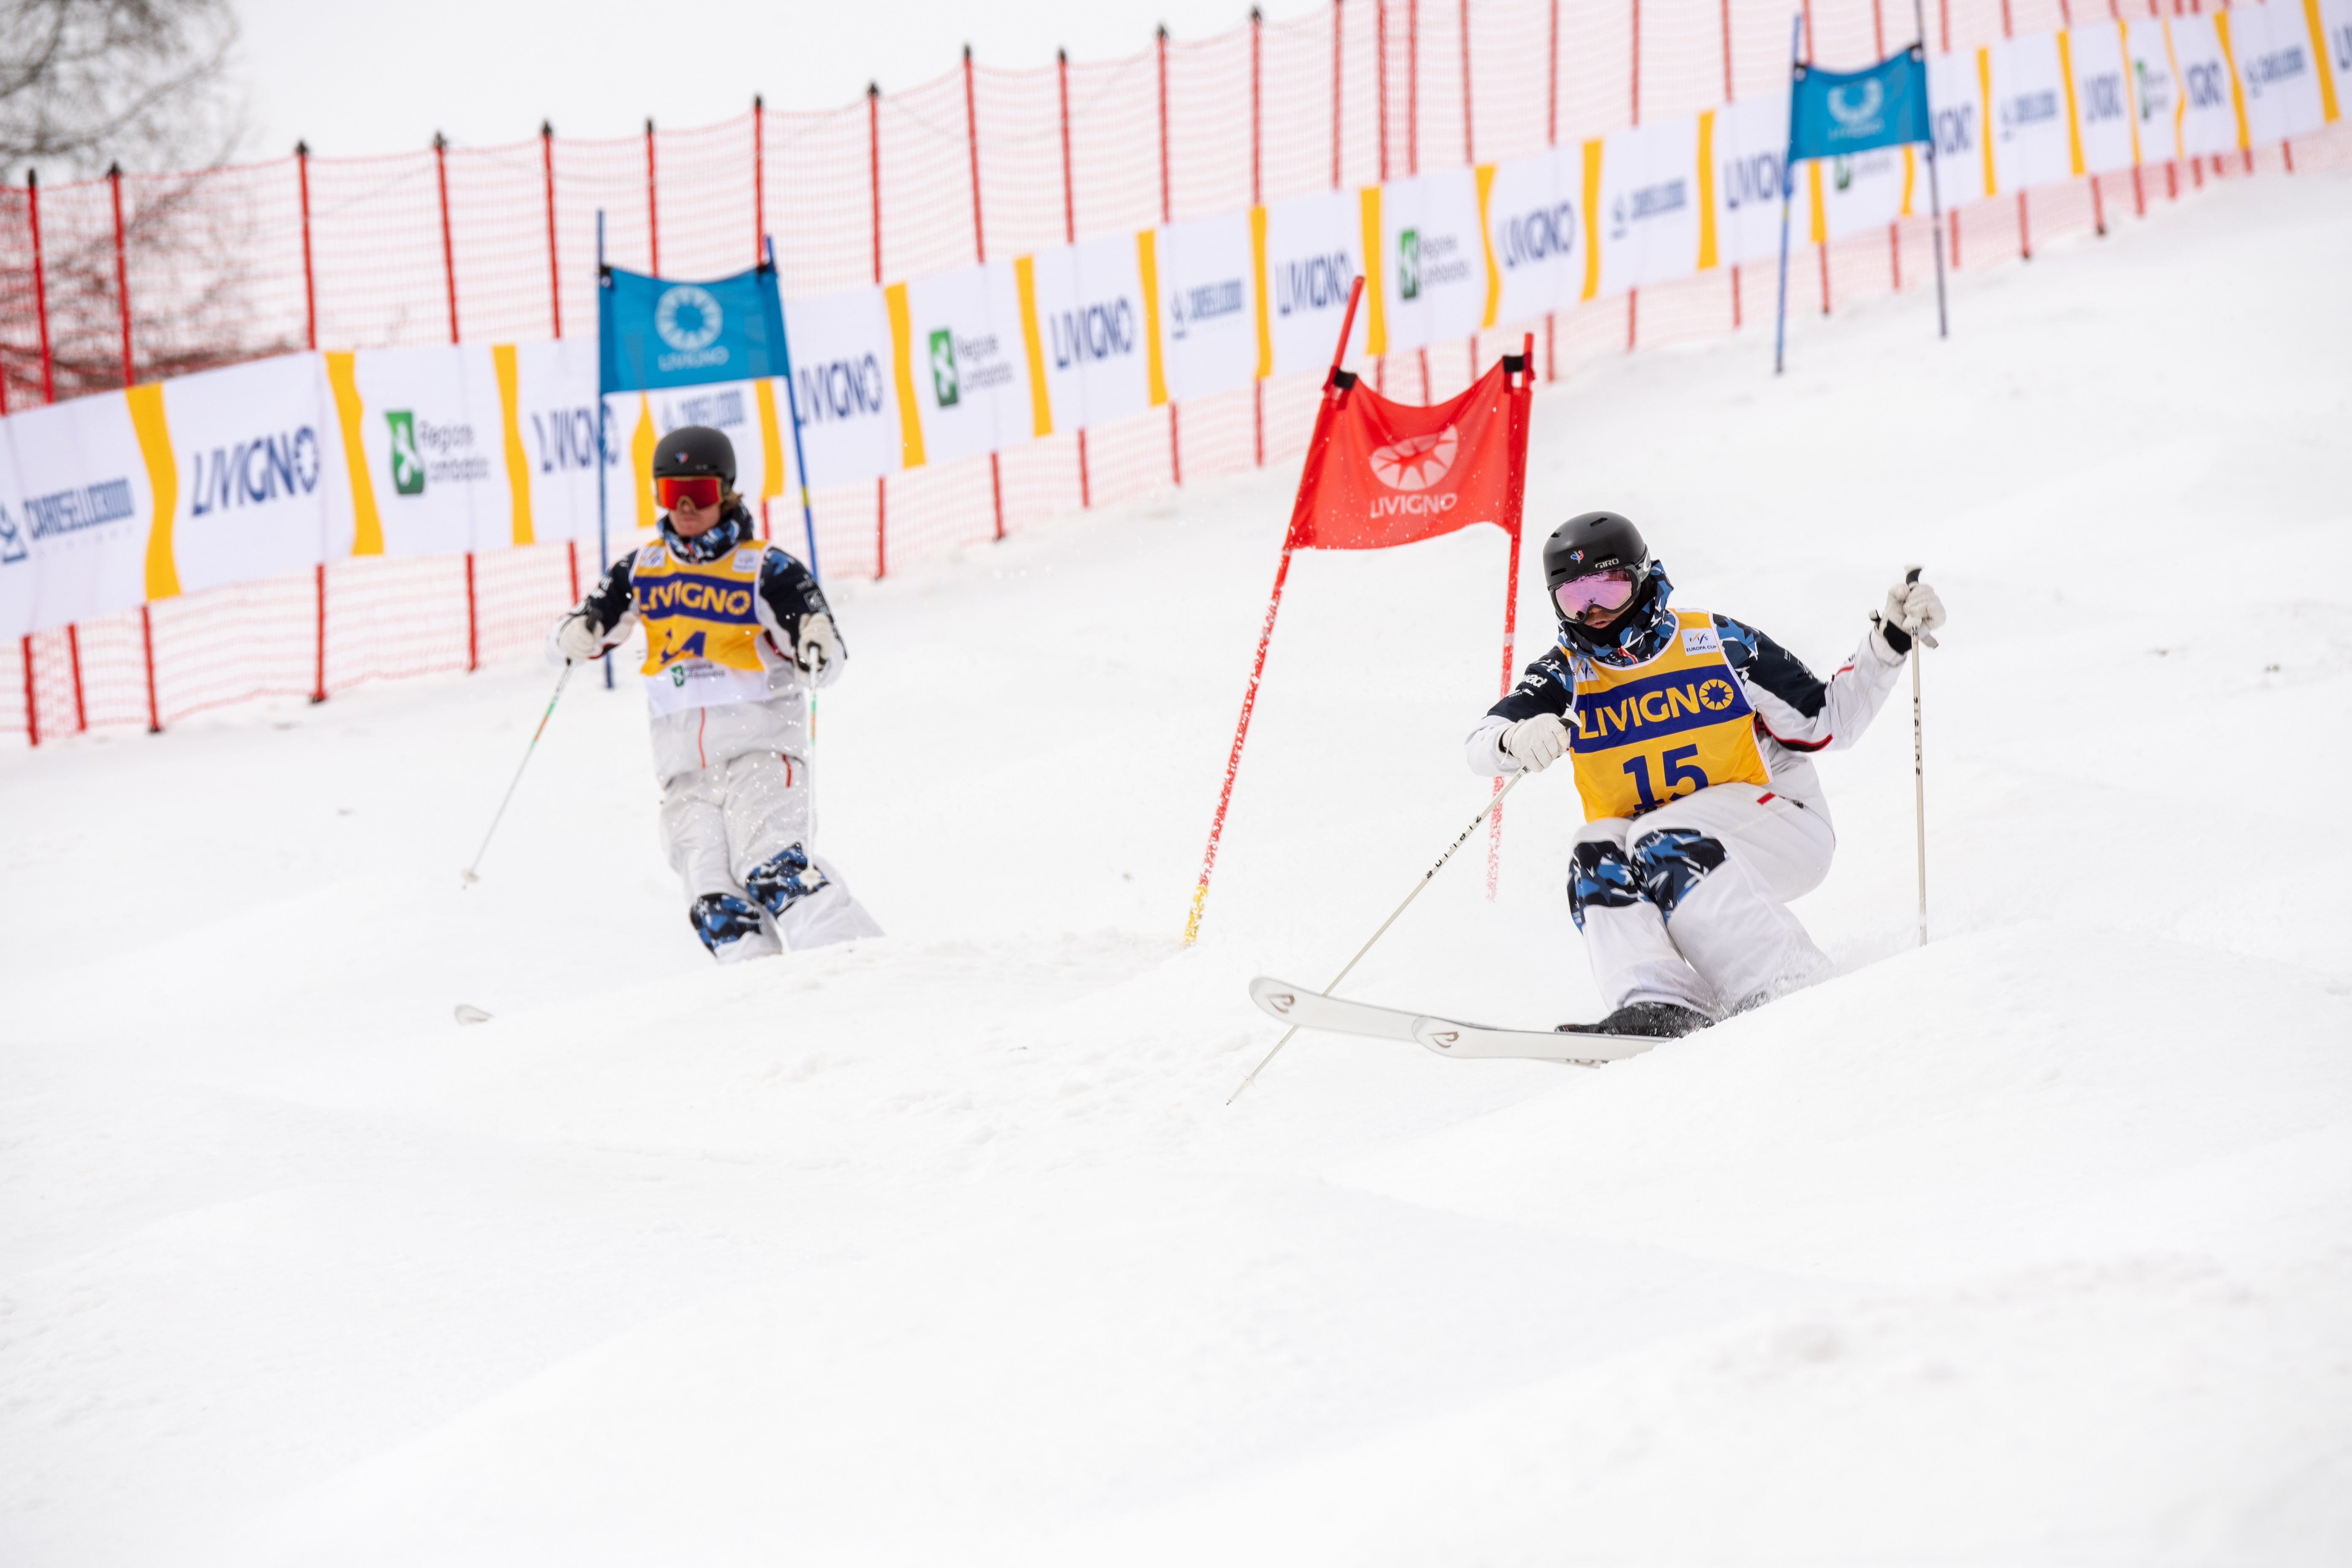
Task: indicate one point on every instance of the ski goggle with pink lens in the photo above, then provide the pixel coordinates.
(1611, 590)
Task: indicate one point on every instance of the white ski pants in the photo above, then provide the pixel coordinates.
(1688, 903)
(736, 833)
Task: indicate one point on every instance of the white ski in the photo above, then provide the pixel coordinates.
(1301, 1006)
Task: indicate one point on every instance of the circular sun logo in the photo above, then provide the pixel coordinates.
(1416, 462)
(1715, 695)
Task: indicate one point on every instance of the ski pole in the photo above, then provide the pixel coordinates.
(1919, 639)
(569, 666)
(1464, 837)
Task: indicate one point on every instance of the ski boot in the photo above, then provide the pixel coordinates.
(1654, 1020)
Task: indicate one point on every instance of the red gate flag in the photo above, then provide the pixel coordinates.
(1380, 473)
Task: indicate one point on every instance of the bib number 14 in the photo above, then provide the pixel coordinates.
(1678, 769)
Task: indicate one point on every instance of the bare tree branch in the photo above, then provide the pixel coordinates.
(145, 83)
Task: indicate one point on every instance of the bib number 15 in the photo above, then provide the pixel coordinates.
(1678, 769)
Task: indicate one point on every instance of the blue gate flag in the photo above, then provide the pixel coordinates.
(655, 332)
(1835, 112)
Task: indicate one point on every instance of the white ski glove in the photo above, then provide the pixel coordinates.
(818, 652)
(579, 637)
(1536, 744)
(1913, 608)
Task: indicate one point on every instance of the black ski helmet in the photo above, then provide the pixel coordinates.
(692, 450)
(1592, 541)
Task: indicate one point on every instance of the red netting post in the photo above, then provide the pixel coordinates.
(473, 644)
(319, 659)
(32, 714)
(1338, 59)
(448, 245)
(653, 204)
(1551, 139)
(121, 269)
(980, 254)
(1412, 136)
(1728, 99)
(873, 187)
(147, 649)
(1257, 197)
(759, 179)
(73, 658)
(1175, 454)
(123, 303)
(1070, 235)
(310, 278)
(1633, 296)
(547, 179)
(1380, 67)
(1944, 23)
(1469, 143)
(40, 286)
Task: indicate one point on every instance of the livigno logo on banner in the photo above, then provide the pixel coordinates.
(422, 450)
(1409, 264)
(408, 468)
(687, 317)
(944, 382)
(253, 473)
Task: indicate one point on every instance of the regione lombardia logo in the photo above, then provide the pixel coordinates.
(1416, 462)
(687, 318)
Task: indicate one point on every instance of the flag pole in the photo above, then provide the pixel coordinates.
(793, 407)
(1788, 191)
(1264, 636)
(1935, 193)
(604, 446)
(1520, 395)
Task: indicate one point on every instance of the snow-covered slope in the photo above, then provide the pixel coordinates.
(2026, 1248)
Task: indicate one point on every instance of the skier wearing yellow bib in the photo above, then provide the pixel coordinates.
(1689, 735)
(736, 632)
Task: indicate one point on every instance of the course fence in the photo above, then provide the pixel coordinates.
(135, 277)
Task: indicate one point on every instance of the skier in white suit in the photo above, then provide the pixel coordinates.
(735, 633)
(1690, 735)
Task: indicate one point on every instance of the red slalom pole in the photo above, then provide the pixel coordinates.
(1257, 665)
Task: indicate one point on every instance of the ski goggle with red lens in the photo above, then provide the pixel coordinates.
(1611, 590)
(701, 490)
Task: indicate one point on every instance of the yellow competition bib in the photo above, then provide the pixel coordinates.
(702, 629)
(1664, 729)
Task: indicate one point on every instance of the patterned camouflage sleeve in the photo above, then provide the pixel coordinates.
(609, 600)
(1798, 707)
(788, 593)
(1544, 688)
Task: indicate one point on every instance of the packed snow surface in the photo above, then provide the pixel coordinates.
(2031, 1245)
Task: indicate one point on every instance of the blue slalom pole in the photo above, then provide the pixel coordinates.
(793, 407)
(1788, 190)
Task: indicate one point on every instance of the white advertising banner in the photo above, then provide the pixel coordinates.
(1536, 233)
(842, 382)
(2271, 46)
(2031, 139)
(736, 409)
(2100, 70)
(1646, 218)
(968, 373)
(1082, 306)
(2334, 46)
(1207, 297)
(77, 497)
(2207, 115)
(2154, 90)
(1956, 95)
(262, 486)
(1310, 252)
(555, 420)
(432, 431)
(1745, 144)
(1433, 259)
(1863, 191)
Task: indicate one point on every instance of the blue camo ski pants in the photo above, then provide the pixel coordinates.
(1688, 903)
